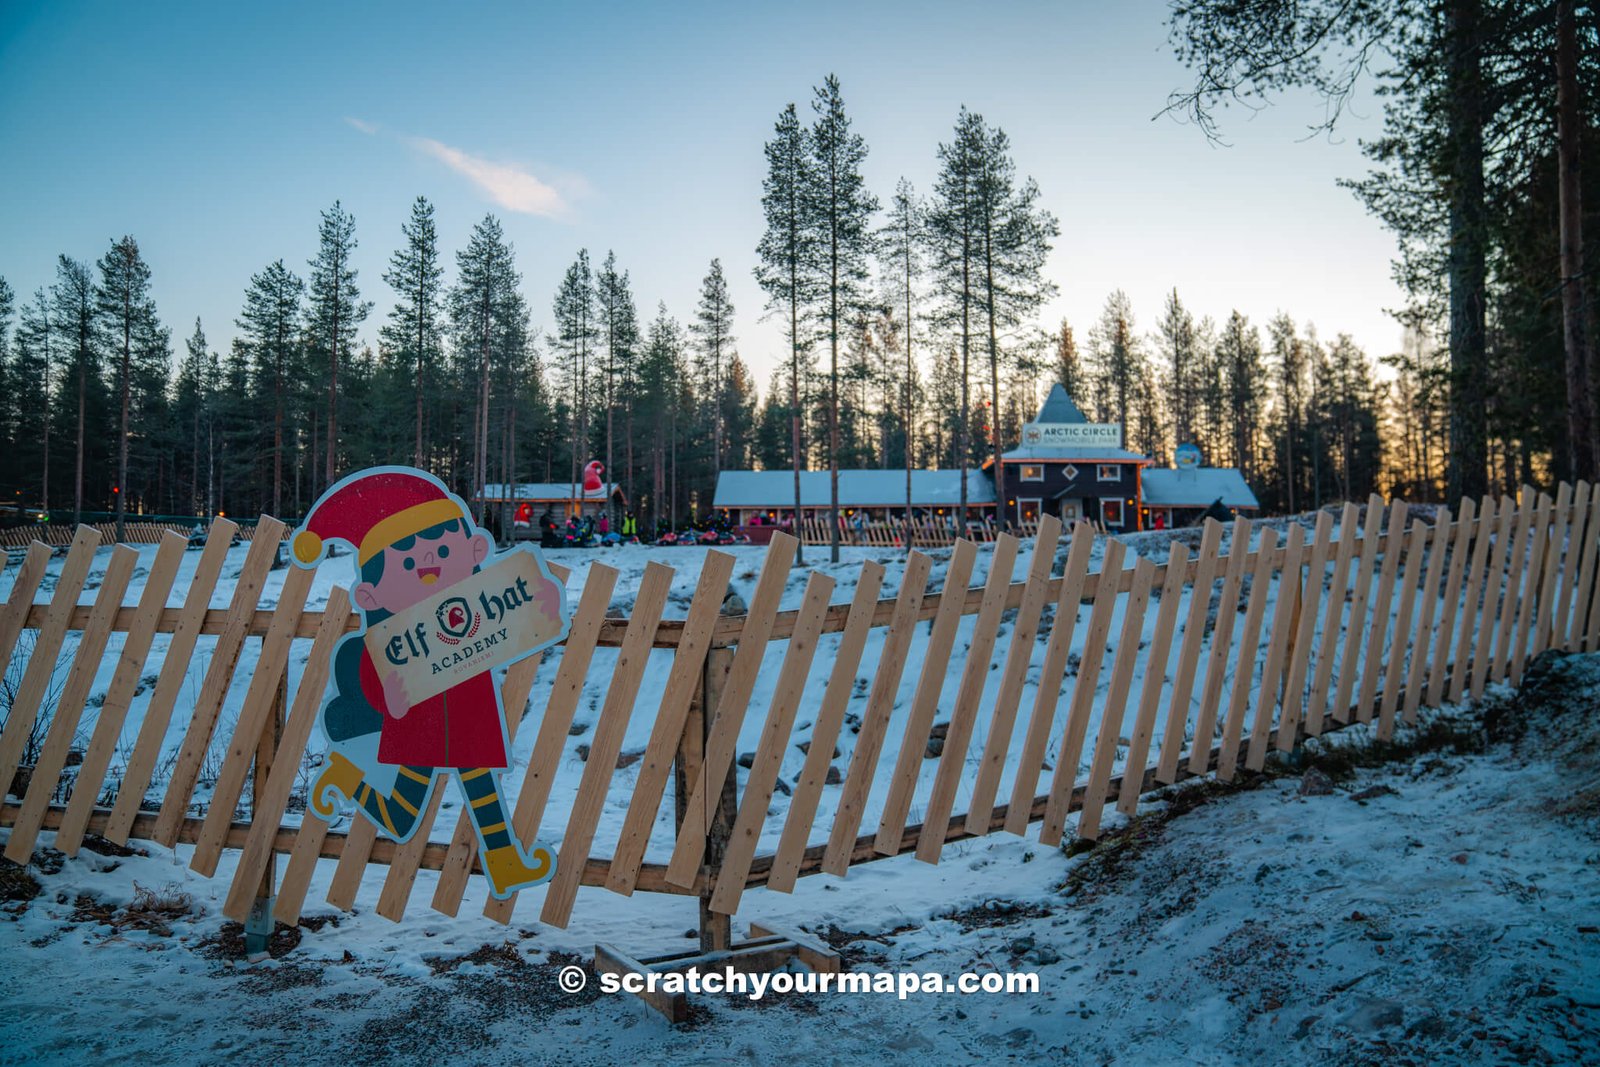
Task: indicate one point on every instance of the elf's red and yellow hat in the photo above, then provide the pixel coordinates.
(372, 510)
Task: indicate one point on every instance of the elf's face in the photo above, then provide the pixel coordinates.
(415, 568)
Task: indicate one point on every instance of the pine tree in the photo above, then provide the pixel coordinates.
(1117, 362)
(712, 330)
(619, 330)
(1069, 364)
(9, 385)
(193, 395)
(576, 328)
(1182, 375)
(490, 321)
(901, 242)
(412, 333)
(1239, 354)
(842, 210)
(270, 326)
(334, 312)
(73, 297)
(126, 312)
(31, 372)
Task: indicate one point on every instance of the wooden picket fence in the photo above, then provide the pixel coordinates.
(133, 533)
(925, 533)
(1406, 608)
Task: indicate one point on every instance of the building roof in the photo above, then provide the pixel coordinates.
(857, 489)
(542, 491)
(1058, 407)
(1063, 453)
(1197, 488)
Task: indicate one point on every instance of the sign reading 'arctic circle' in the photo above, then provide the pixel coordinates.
(1097, 434)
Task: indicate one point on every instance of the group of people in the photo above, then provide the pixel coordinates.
(598, 530)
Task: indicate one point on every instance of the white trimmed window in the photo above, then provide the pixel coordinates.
(1109, 472)
(1033, 472)
(1111, 511)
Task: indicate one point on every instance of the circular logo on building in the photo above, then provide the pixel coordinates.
(1032, 435)
(454, 617)
(1186, 457)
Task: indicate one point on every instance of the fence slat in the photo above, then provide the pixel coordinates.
(1350, 665)
(1014, 675)
(1576, 632)
(1517, 589)
(1304, 634)
(1545, 613)
(358, 843)
(601, 765)
(1328, 646)
(1525, 618)
(70, 702)
(746, 832)
(42, 660)
(875, 717)
(1496, 576)
(825, 731)
(1579, 530)
(274, 797)
(562, 705)
(1285, 613)
(1593, 640)
(119, 694)
(1123, 658)
(1378, 628)
(1083, 692)
(1221, 645)
(1404, 636)
(1194, 628)
(919, 721)
(219, 675)
(258, 705)
(723, 737)
(958, 735)
(1472, 594)
(1244, 666)
(15, 614)
(1450, 611)
(1154, 679)
(1030, 761)
(1423, 643)
(656, 766)
(296, 880)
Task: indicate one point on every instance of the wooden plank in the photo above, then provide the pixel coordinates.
(562, 705)
(1422, 642)
(69, 707)
(401, 877)
(358, 843)
(1404, 636)
(924, 706)
(598, 769)
(975, 672)
(258, 705)
(1015, 673)
(1592, 641)
(1577, 530)
(1361, 590)
(1194, 632)
(29, 698)
(1517, 587)
(723, 738)
(119, 694)
(683, 680)
(1586, 576)
(174, 668)
(1332, 622)
(875, 717)
(1244, 669)
(825, 732)
(1155, 674)
(1378, 628)
(1123, 659)
(1544, 614)
(1519, 631)
(1051, 676)
(1472, 591)
(1083, 693)
(1285, 616)
(775, 731)
(219, 675)
(15, 612)
(1221, 644)
(269, 807)
(1450, 611)
(296, 879)
(1498, 569)
(1305, 631)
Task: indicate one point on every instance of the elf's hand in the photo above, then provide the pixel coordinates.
(395, 697)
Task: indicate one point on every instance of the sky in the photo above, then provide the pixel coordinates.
(216, 133)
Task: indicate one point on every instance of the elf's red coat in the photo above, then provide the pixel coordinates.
(459, 728)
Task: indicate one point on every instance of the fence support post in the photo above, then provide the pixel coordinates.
(716, 930)
(259, 925)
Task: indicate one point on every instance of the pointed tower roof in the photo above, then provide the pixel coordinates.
(1058, 407)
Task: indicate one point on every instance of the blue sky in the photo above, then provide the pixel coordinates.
(215, 133)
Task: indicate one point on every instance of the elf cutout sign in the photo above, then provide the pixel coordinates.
(414, 696)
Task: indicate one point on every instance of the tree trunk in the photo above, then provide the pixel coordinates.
(1468, 475)
(1574, 307)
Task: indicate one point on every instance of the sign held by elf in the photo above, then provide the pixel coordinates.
(414, 696)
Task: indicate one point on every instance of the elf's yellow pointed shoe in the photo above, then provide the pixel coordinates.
(508, 872)
(340, 777)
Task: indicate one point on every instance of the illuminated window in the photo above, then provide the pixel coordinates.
(1029, 512)
(1033, 472)
(1111, 512)
(1109, 472)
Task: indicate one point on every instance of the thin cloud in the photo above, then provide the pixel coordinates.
(511, 187)
(367, 128)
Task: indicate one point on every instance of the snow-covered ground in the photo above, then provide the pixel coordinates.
(1442, 906)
